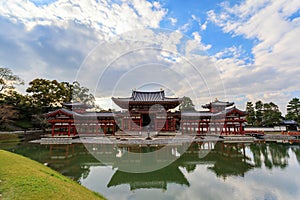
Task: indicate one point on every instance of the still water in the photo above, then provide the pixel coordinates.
(203, 171)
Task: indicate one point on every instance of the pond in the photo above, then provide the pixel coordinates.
(202, 171)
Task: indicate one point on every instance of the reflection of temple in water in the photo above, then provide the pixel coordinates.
(156, 179)
(222, 159)
(72, 160)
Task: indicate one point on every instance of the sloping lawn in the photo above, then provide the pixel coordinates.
(22, 178)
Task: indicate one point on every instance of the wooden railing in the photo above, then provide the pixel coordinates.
(292, 133)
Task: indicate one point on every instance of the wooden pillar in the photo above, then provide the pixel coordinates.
(105, 126)
(69, 129)
(167, 124)
(207, 127)
(241, 128)
(52, 129)
(74, 130)
(174, 124)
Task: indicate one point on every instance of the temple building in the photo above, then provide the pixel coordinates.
(221, 118)
(146, 112)
(73, 118)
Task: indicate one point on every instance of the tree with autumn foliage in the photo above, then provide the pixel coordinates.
(8, 112)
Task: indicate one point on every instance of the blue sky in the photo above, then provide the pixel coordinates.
(253, 45)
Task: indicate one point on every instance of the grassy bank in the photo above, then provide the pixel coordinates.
(22, 178)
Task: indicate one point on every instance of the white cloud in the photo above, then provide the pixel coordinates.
(197, 37)
(52, 40)
(275, 71)
(204, 26)
(173, 21)
(185, 27)
(99, 15)
(265, 21)
(137, 63)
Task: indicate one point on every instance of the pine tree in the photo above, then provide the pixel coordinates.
(293, 110)
(251, 113)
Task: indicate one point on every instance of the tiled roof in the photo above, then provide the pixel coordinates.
(97, 114)
(148, 96)
(218, 103)
(61, 111)
(139, 97)
(236, 110)
(198, 114)
(75, 105)
(72, 113)
(209, 114)
(289, 122)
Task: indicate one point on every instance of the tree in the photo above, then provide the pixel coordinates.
(8, 80)
(21, 103)
(251, 113)
(293, 110)
(7, 115)
(81, 94)
(66, 91)
(258, 113)
(266, 114)
(271, 114)
(187, 104)
(47, 94)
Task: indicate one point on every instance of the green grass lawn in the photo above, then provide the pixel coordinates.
(22, 178)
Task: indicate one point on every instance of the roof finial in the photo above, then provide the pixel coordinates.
(161, 89)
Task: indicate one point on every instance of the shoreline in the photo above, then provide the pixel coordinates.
(165, 140)
(23, 132)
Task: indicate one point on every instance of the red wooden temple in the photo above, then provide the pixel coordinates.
(221, 118)
(148, 111)
(63, 120)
